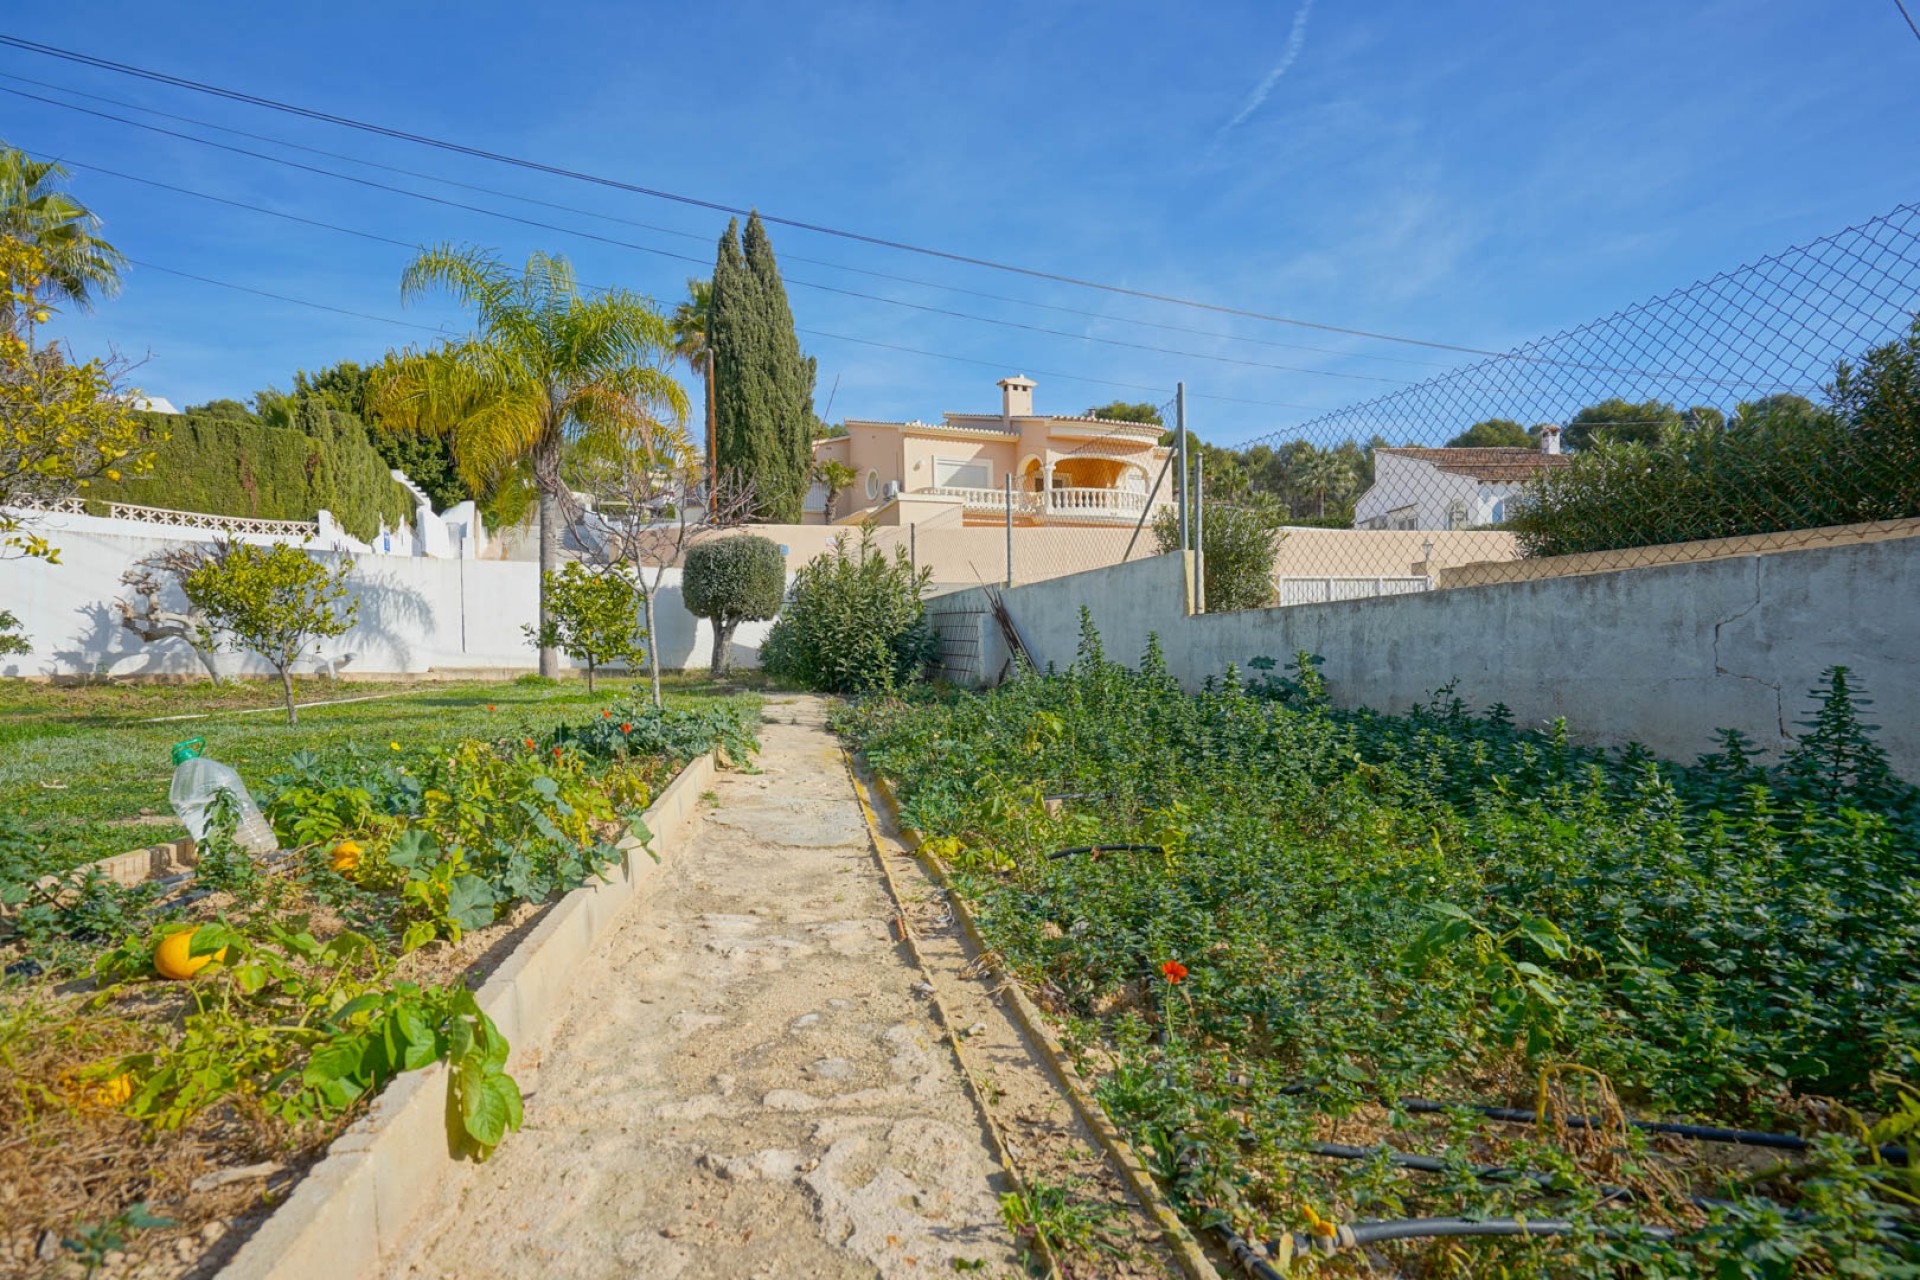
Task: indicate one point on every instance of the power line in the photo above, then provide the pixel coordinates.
(282, 297)
(649, 249)
(1909, 17)
(817, 333)
(479, 153)
(1214, 334)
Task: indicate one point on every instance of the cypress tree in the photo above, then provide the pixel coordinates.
(763, 386)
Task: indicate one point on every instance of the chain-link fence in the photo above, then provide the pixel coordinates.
(1775, 406)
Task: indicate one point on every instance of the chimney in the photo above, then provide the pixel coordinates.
(1016, 398)
(1549, 438)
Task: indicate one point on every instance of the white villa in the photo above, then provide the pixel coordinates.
(1450, 488)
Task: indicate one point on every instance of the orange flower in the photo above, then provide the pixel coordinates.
(1173, 970)
(556, 753)
(626, 726)
(489, 706)
(530, 744)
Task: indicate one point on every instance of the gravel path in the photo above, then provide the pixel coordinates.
(750, 1083)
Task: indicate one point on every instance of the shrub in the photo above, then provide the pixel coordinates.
(237, 466)
(1782, 463)
(1237, 545)
(591, 617)
(730, 581)
(854, 623)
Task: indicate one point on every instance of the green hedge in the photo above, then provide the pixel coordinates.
(230, 466)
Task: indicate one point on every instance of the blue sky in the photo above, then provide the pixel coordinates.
(1467, 173)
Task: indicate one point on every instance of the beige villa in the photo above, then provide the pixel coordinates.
(1066, 469)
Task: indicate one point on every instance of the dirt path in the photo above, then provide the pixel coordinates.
(750, 1084)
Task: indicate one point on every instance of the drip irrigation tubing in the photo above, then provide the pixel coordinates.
(1245, 1255)
(1364, 1233)
(1097, 849)
(1697, 1132)
(1891, 1152)
(1485, 1172)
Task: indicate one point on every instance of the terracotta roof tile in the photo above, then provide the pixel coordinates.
(1485, 464)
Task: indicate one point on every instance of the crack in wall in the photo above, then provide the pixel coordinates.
(1719, 669)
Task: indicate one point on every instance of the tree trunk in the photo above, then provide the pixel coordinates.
(549, 563)
(722, 648)
(286, 686)
(589, 677)
(653, 648)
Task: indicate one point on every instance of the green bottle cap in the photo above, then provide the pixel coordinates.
(185, 751)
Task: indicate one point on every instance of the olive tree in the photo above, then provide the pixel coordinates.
(592, 617)
(730, 581)
(1237, 547)
(273, 601)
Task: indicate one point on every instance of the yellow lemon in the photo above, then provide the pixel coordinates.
(174, 958)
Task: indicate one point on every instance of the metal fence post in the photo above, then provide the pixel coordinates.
(1009, 528)
(913, 551)
(1180, 450)
(1199, 533)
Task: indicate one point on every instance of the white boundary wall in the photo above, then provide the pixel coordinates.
(417, 615)
(1661, 655)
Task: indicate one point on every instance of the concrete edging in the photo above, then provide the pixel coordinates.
(1181, 1243)
(358, 1206)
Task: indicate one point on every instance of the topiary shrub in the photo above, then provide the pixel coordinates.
(730, 581)
(853, 623)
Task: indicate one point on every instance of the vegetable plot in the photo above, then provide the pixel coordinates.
(1410, 994)
(155, 1039)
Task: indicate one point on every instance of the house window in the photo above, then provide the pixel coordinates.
(949, 473)
(873, 484)
(1499, 512)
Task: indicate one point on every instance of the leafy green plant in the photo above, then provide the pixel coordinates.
(1238, 543)
(853, 623)
(91, 1244)
(592, 617)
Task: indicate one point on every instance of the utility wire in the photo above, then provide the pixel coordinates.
(667, 253)
(480, 153)
(817, 333)
(1900, 4)
(282, 297)
(1215, 334)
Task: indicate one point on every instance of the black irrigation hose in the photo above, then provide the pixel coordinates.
(1697, 1132)
(1488, 1173)
(1106, 848)
(1364, 1233)
(1243, 1253)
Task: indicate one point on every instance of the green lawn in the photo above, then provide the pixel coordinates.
(82, 764)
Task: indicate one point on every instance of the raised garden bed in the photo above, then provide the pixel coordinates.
(408, 940)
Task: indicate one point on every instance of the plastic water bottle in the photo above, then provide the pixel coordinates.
(197, 779)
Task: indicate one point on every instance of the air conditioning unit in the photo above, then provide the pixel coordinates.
(891, 491)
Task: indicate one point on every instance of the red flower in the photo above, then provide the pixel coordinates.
(606, 715)
(530, 744)
(626, 726)
(556, 753)
(1173, 970)
(489, 706)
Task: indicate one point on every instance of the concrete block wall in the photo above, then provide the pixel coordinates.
(1661, 655)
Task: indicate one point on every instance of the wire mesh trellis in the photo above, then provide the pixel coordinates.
(1715, 412)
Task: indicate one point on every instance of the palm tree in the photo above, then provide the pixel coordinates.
(1321, 472)
(690, 343)
(835, 476)
(79, 264)
(547, 365)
